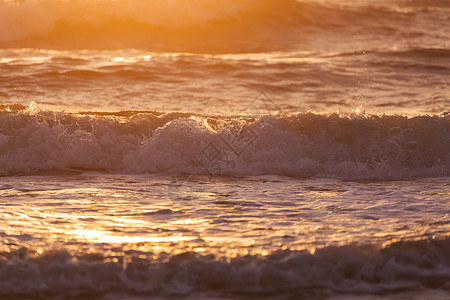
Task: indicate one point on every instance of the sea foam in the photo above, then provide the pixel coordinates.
(367, 269)
(299, 145)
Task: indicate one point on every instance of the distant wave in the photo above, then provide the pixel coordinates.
(402, 267)
(301, 145)
(193, 26)
(61, 65)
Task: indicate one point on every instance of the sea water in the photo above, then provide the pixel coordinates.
(224, 149)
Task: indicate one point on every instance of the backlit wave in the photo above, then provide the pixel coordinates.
(189, 26)
(301, 145)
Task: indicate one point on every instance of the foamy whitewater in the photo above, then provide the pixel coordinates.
(251, 149)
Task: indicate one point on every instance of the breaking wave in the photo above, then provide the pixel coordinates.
(351, 269)
(300, 145)
(192, 26)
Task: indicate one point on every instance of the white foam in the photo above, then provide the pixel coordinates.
(302, 145)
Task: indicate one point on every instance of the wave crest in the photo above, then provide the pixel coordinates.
(300, 145)
(178, 25)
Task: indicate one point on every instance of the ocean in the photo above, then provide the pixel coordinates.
(224, 149)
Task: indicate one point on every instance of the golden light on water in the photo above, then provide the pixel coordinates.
(102, 190)
(99, 236)
(166, 25)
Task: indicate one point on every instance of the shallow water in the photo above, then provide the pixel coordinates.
(87, 234)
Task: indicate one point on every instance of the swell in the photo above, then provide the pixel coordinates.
(192, 26)
(407, 266)
(300, 145)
